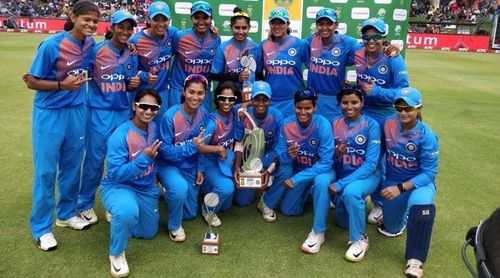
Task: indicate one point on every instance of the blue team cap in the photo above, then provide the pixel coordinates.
(279, 13)
(120, 16)
(376, 23)
(201, 6)
(410, 95)
(327, 13)
(261, 88)
(159, 7)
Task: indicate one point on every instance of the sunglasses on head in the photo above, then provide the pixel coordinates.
(305, 94)
(196, 76)
(227, 98)
(401, 108)
(375, 38)
(145, 106)
(324, 12)
(202, 7)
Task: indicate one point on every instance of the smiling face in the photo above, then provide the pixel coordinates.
(351, 106)
(159, 24)
(326, 28)
(201, 23)
(304, 111)
(278, 28)
(225, 101)
(260, 104)
(122, 32)
(240, 30)
(84, 24)
(144, 114)
(194, 94)
(373, 46)
(408, 115)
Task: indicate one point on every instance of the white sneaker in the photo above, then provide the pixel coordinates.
(313, 242)
(108, 216)
(268, 214)
(215, 219)
(375, 215)
(358, 249)
(178, 235)
(414, 269)
(75, 222)
(119, 266)
(381, 229)
(89, 215)
(47, 242)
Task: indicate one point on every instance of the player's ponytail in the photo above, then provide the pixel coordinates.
(109, 33)
(80, 8)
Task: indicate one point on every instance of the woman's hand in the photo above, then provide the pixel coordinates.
(152, 151)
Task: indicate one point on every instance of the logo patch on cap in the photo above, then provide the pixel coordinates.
(159, 5)
(405, 91)
(261, 85)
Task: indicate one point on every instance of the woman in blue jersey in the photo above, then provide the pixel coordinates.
(306, 148)
(113, 72)
(183, 135)
(357, 152)
(380, 78)
(220, 131)
(412, 152)
(283, 58)
(155, 49)
(238, 59)
(194, 51)
(269, 119)
(129, 191)
(58, 74)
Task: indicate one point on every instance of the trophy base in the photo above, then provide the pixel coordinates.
(251, 180)
(210, 244)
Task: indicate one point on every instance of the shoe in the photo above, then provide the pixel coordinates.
(313, 242)
(381, 229)
(375, 215)
(215, 219)
(47, 242)
(268, 214)
(414, 269)
(178, 235)
(89, 215)
(358, 249)
(119, 266)
(108, 216)
(75, 222)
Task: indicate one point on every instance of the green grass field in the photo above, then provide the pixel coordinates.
(461, 103)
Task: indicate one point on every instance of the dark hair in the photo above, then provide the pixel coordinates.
(224, 86)
(109, 30)
(234, 18)
(305, 94)
(188, 83)
(80, 8)
(419, 114)
(148, 92)
(349, 90)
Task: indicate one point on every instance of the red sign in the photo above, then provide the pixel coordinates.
(53, 25)
(437, 41)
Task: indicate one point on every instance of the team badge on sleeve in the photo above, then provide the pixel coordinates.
(212, 51)
(169, 43)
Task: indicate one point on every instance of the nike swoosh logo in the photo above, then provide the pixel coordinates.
(358, 65)
(311, 245)
(357, 255)
(147, 54)
(136, 153)
(221, 136)
(116, 269)
(314, 49)
(290, 141)
(87, 218)
(172, 235)
(177, 134)
(270, 53)
(377, 217)
(105, 67)
(82, 137)
(189, 52)
(71, 63)
(230, 62)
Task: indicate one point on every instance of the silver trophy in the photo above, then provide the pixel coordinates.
(253, 148)
(211, 241)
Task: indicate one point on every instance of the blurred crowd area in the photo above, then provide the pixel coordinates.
(456, 11)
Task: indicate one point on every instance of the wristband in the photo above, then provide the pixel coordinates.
(271, 167)
(59, 85)
(401, 188)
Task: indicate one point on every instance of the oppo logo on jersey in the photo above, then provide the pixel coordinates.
(197, 65)
(357, 151)
(180, 144)
(320, 66)
(401, 161)
(238, 70)
(226, 143)
(112, 77)
(198, 61)
(306, 158)
(159, 61)
(76, 72)
(280, 62)
(280, 67)
(324, 62)
(366, 77)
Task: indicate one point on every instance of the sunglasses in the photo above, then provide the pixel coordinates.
(201, 7)
(305, 94)
(146, 106)
(407, 109)
(326, 12)
(196, 76)
(375, 38)
(227, 98)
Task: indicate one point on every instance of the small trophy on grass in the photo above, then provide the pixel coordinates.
(211, 242)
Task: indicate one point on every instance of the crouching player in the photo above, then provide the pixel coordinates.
(411, 168)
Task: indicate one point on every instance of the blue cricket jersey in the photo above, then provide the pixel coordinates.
(192, 55)
(283, 60)
(316, 147)
(127, 164)
(58, 56)
(362, 138)
(111, 70)
(412, 155)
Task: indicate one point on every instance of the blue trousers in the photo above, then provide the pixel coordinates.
(134, 213)
(286, 107)
(58, 147)
(181, 194)
(328, 107)
(100, 125)
(396, 210)
(350, 205)
(218, 183)
(174, 98)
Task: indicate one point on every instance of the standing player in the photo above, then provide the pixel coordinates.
(380, 77)
(357, 152)
(113, 72)
(239, 59)
(409, 190)
(195, 50)
(306, 145)
(155, 49)
(58, 74)
(129, 192)
(283, 56)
